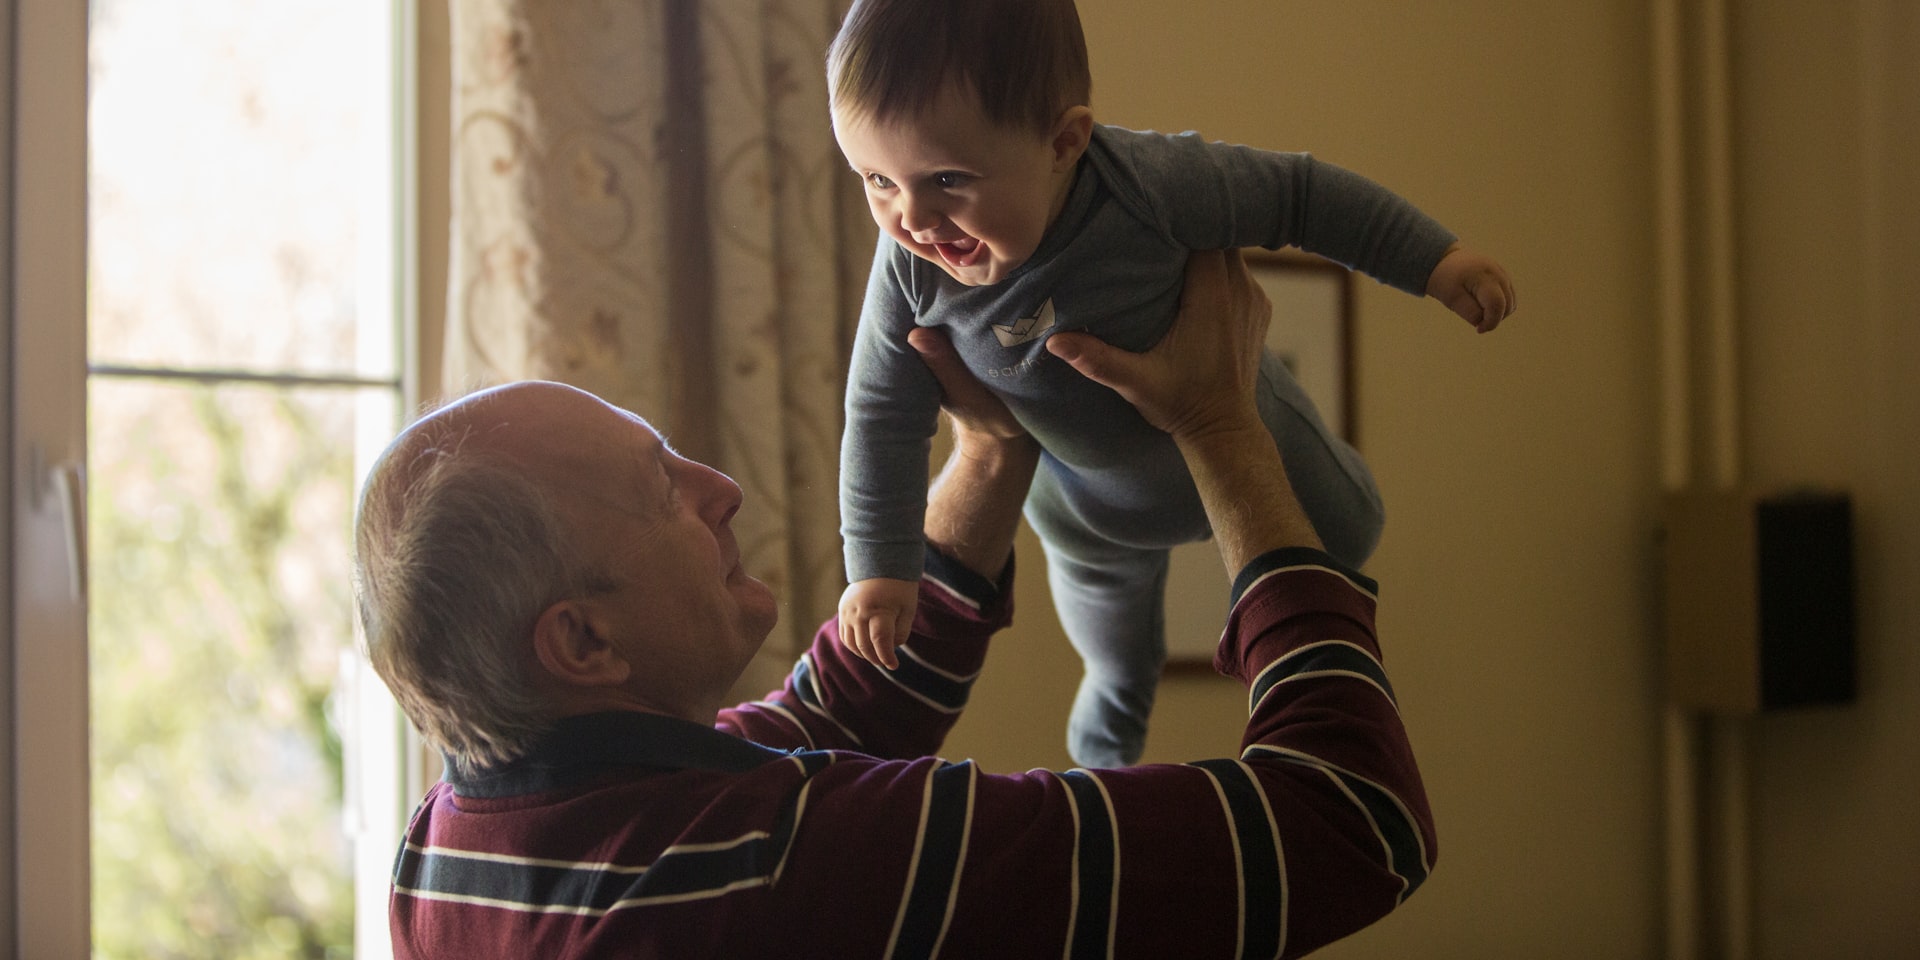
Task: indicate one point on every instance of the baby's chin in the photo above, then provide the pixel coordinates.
(985, 273)
(971, 278)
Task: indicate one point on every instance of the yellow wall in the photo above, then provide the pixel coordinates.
(1828, 138)
(1520, 602)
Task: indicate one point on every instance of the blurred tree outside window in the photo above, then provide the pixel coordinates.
(228, 324)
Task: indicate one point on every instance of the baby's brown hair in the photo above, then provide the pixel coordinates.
(1024, 60)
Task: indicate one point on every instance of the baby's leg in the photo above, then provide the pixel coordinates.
(1333, 484)
(1114, 612)
(1111, 602)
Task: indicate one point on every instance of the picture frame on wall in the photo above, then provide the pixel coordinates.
(1312, 333)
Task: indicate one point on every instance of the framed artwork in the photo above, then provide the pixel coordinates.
(1312, 332)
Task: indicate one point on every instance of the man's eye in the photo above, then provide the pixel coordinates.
(879, 182)
(949, 180)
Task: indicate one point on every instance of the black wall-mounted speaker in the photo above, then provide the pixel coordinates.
(1759, 600)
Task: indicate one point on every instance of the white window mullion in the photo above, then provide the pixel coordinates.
(378, 792)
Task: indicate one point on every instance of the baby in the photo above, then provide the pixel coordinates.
(1006, 214)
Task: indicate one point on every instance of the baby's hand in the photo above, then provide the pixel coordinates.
(1474, 286)
(876, 615)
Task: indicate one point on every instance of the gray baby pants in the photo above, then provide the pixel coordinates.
(1108, 575)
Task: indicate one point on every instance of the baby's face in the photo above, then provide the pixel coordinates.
(958, 191)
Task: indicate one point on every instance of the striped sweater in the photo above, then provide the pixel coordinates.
(815, 823)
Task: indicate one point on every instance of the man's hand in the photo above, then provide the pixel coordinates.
(876, 615)
(1198, 384)
(1201, 375)
(973, 506)
(968, 403)
(1474, 286)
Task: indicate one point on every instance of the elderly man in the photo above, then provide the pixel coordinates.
(556, 599)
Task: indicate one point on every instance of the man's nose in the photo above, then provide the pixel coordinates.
(720, 495)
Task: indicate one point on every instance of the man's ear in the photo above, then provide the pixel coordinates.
(1070, 135)
(573, 652)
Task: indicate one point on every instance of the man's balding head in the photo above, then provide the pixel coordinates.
(458, 547)
(530, 551)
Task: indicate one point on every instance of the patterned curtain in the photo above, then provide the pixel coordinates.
(648, 203)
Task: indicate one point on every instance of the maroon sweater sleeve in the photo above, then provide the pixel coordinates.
(1318, 828)
(834, 700)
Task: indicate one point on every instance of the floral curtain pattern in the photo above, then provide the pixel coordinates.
(648, 203)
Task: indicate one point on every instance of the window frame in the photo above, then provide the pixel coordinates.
(45, 887)
(48, 876)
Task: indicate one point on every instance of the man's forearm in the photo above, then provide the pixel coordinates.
(1243, 485)
(973, 506)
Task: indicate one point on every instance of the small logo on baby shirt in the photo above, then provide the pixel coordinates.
(1026, 329)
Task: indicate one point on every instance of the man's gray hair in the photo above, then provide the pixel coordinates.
(457, 553)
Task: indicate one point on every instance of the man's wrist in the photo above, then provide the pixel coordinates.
(1243, 485)
(973, 507)
(1224, 437)
(994, 452)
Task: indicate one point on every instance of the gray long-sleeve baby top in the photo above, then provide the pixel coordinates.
(1112, 265)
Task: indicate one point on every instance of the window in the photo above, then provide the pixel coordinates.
(245, 289)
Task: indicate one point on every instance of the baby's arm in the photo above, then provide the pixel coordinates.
(1363, 224)
(972, 509)
(876, 615)
(1223, 195)
(1475, 286)
(893, 407)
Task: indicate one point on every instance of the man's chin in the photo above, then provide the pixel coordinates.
(759, 608)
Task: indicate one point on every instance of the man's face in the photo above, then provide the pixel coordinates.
(956, 190)
(683, 612)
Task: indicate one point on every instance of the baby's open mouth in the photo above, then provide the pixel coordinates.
(963, 252)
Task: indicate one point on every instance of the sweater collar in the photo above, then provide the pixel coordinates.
(583, 748)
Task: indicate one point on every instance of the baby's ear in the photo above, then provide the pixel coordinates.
(1070, 135)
